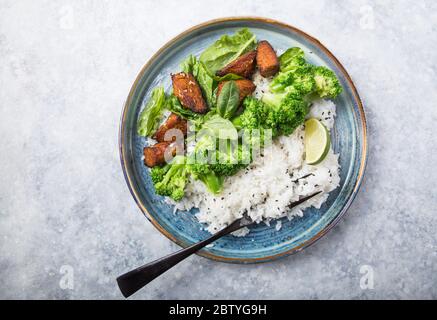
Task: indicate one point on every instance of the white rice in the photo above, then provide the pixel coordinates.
(270, 183)
(324, 111)
(262, 84)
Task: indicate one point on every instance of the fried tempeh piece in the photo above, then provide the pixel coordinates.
(245, 87)
(173, 122)
(266, 59)
(155, 155)
(187, 90)
(243, 66)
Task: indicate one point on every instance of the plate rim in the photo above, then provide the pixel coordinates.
(364, 148)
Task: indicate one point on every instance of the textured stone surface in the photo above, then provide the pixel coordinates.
(66, 68)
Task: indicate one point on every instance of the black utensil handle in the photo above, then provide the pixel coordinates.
(131, 282)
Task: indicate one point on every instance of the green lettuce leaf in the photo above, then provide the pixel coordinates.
(206, 81)
(149, 117)
(219, 128)
(227, 49)
(173, 105)
(188, 64)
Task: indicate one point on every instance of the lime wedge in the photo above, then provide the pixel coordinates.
(317, 141)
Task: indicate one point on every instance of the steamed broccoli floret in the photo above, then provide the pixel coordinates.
(311, 81)
(281, 81)
(327, 84)
(273, 99)
(308, 82)
(279, 112)
(255, 115)
(300, 80)
(199, 166)
(199, 169)
(284, 108)
(303, 80)
(157, 173)
(226, 169)
(289, 110)
(213, 182)
(171, 179)
(290, 113)
(291, 59)
(231, 161)
(214, 160)
(203, 172)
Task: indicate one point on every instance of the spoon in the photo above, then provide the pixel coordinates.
(134, 280)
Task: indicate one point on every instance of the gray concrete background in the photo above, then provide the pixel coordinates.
(65, 210)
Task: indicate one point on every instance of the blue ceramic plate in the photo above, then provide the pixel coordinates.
(263, 243)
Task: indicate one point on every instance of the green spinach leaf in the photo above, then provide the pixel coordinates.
(227, 77)
(228, 100)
